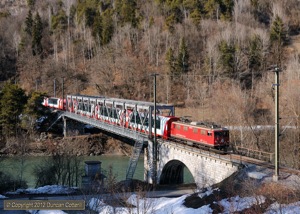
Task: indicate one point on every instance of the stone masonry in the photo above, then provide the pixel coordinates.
(206, 169)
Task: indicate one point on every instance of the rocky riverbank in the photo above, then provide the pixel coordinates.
(83, 145)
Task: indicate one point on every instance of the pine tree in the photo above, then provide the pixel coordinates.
(97, 28)
(227, 59)
(31, 3)
(183, 57)
(255, 58)
(129, 12)
(278, 37)
(12, 104)
(171, 61)
(90, 15)
(107, 27)
(29, 23)
(196, 16)
(219, 9)
(33, 110)
(278, 32)
(254, 62)
(59, 22)
(173, 13)
(37, 35)
(175, 6)
(211, 8)
(170, 23)
(226, 7)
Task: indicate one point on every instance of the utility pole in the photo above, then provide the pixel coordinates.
(154, 151)
(277, 134)
(54, 88)
(63, 87)
(63, 94)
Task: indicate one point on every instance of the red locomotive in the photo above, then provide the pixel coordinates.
(135, 115)
(208, 134)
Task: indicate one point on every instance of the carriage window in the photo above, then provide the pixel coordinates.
(114, 113)
(177, 127)
(53, 101)
(203, 132)
(185, 128)
(195, 130)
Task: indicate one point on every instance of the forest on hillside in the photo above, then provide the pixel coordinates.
(215, 60)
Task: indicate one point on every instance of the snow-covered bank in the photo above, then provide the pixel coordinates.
(176, 205)
(137, 204)
(49, 189)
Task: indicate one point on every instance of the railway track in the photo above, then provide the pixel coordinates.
(266, 164)
(241, 155)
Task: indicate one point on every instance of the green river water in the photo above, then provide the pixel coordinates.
(17, 166)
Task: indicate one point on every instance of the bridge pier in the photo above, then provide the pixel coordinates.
(65, 126)
(149, 165)
(71, 127)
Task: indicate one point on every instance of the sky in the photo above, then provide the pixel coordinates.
(164, 205)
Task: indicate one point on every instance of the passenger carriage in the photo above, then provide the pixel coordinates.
(54, 102)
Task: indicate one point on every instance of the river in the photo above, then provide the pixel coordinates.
(17, 166)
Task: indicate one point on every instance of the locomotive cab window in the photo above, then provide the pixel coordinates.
(209, 134)
(222, 134)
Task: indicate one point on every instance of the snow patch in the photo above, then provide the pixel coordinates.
(49, 189)
(276, 208)
(256, 175)
(236, 204)
(2, 196)
(207, 193)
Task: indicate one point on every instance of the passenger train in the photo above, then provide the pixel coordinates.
(135, 115)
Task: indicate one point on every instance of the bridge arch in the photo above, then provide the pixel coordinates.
(173, 173)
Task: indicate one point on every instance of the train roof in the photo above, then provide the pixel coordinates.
(136, 102)
(88, 96)
(126, 101)
(203, 124)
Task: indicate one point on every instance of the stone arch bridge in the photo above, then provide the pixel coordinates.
(206, 168)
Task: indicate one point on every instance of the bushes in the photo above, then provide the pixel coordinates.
(7, 183)
(59, 169)
(44, 174)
